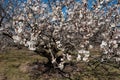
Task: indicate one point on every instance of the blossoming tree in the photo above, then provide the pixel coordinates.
(62, 38)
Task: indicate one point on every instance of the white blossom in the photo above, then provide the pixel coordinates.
(69, 57)
(21, 24)
(85, 59)
(1, 28)
(78, 57)
(31, 45)
(33, 37)
(82, 46)
(44, 5)
(105, 52)
(90, 22)
(21, 18)
(16, 39)
(103, 44)
(81, 51)
(80, 15)
(54, 60)
(61, 65)
(112, 25)
(117, 59)
(90, 46)
(30, 15)
(35, 8)
(54, 18)
(58, 44)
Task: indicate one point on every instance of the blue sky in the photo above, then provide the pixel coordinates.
(89, 1)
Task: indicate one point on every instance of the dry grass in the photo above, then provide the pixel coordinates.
(12, 59)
